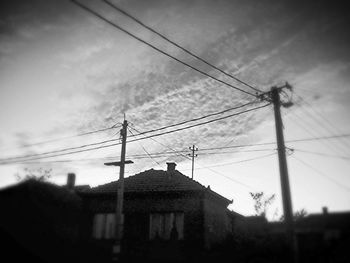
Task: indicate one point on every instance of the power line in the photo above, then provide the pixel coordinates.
(326, 120)
(206, 122)
(311, 131)
(179, 153)
(218, 173)
(68, 137)
(321, 138)
(178, 46)
(231, 179)
(240, 161)
(3, 161)
(156, 48)
(239, 146)
(64, 150)
(322, 174)
(199, 118)
(144, 149)
(323, 122)
(322, 154)
(213, 153)
(150, 131)
(141, 156)
(239, 151)
(334, 145)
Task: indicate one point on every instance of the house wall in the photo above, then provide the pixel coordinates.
(217, 223)
(138, 207)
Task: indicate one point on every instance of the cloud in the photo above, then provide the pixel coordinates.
(257, 53)
(262, 43)
(84, 52)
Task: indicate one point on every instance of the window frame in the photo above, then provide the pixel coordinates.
(103, 226)
(165, 225)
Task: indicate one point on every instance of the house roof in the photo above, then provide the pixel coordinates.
(42, 195)
(317, 222)
(154, 181)
(329, 220)
(79, 188)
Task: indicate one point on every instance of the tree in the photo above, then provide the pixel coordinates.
(299, 214)
(36, 174)
(262, 202)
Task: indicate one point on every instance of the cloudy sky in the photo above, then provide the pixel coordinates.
(64, 72)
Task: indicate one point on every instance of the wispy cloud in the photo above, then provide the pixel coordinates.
(108, 73)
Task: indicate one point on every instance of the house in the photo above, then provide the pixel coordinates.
(328, 232)
(43, 222)
(326, 226)
(322, 237)
(163, 211)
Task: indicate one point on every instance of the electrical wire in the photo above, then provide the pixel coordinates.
(323, 122)
(200, 118)
(202, 123)
(241, 161)
(322, 174)
(178, 45)
(208, 168)
(67, 137)
(144, 149)
(321, 138)
(91, 11)
(299, 121)
(2, 162)
(150, 131)
(322, 154)
(142, 156)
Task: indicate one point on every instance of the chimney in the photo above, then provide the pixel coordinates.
(71, 181)
(325, 210)
(171, 167)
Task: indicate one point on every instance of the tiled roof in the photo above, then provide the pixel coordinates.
(335, 219)
(79, 188)
(152, 181)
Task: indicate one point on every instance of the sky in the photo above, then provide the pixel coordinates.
(63, 72)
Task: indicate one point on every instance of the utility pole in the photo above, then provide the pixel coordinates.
(192, 155)
(274, 95)
(119, 218)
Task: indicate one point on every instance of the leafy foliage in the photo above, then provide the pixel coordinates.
(299, 214)
(262, 202)
(40, 174)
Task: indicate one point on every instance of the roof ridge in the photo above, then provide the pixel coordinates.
(205, 188)
(191, 179)
(156, 180)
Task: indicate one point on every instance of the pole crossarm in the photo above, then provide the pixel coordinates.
(268, 96)
(118, 163)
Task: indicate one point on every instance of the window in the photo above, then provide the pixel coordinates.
(166, 226)
(104, 226)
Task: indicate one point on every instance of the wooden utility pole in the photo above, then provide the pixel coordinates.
(120, 194)
(192, 155)
(286, 195)
(119, 219)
